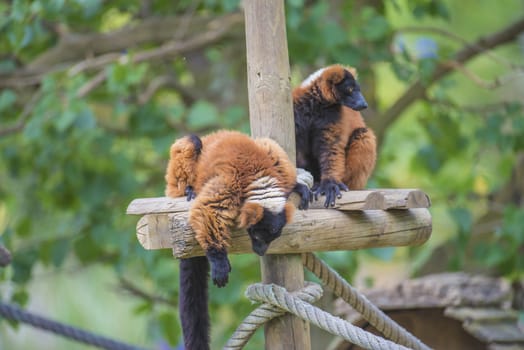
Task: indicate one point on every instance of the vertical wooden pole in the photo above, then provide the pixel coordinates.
(268, 75)
(271, 114)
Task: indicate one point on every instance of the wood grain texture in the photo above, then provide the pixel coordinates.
(271, 115)
(383, 199)
(311, 230)
(268, 73)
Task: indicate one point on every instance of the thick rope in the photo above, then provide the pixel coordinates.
(279, 296)
(359, 302)
(266, 312)
(15, 313)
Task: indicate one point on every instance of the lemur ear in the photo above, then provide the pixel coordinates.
(331, 76)
(250, 214)
(290, 210)
(334, 74)
(353, 72)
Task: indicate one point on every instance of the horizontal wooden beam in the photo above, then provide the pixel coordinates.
(311, 230)
(383, 199)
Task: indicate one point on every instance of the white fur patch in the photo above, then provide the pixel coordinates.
(314, 76)
(266, 193)
(304, 177)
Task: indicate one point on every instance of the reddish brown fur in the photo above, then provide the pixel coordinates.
(181, 168)
(229, 163)
(250, 214)
(325, 84)
(237, 181)
(290, 210)
(346, 159)
(337, 136)
(362, 153)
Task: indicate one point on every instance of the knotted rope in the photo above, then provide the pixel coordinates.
(276, 295)
(277, 301)
(266, 312)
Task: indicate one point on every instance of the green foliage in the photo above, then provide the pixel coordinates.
(464, 221)
(85, 142)
(504, 250)
(313, 37)
(423, 8)
(202, 115)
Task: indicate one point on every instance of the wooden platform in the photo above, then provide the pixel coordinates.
(361, 219)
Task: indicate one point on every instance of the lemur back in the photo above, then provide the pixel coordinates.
(235, 181)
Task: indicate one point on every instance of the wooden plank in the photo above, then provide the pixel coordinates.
(142, 206)
(440, 291)
(313, 230)
(492, 314)
(494, 346)
(383, 199)
(500, 332)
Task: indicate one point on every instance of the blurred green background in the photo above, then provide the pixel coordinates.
(92, 93)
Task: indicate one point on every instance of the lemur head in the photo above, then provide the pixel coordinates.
(338, 84)
(265, 213)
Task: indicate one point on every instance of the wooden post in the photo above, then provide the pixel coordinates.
(271, 114)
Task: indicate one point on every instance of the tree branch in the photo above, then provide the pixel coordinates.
(464, 42)
(216, 32)
(152, 30)
(91, 84)
(418, 89)
(108, 47)
(482, 109)
(495, 83)
(162, 81)
(136, 291)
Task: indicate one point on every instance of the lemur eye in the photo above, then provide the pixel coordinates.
(350, 90)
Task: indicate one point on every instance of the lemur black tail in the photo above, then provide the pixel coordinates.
(194, 313)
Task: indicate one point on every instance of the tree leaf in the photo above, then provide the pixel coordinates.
(22, 264)
(27, 38)
(59, 251)
(376, 29)
(7, 99)
(65, 120)
(202, 115)
(169, 322)
(462, 218)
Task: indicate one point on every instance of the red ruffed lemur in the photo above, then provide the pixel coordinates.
(332, 140)
(236, 181)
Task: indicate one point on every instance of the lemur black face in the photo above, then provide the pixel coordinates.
(266, 230)
(349, 92)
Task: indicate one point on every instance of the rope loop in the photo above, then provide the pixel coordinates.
(266, 312)
(276, 295)
(277, 301)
